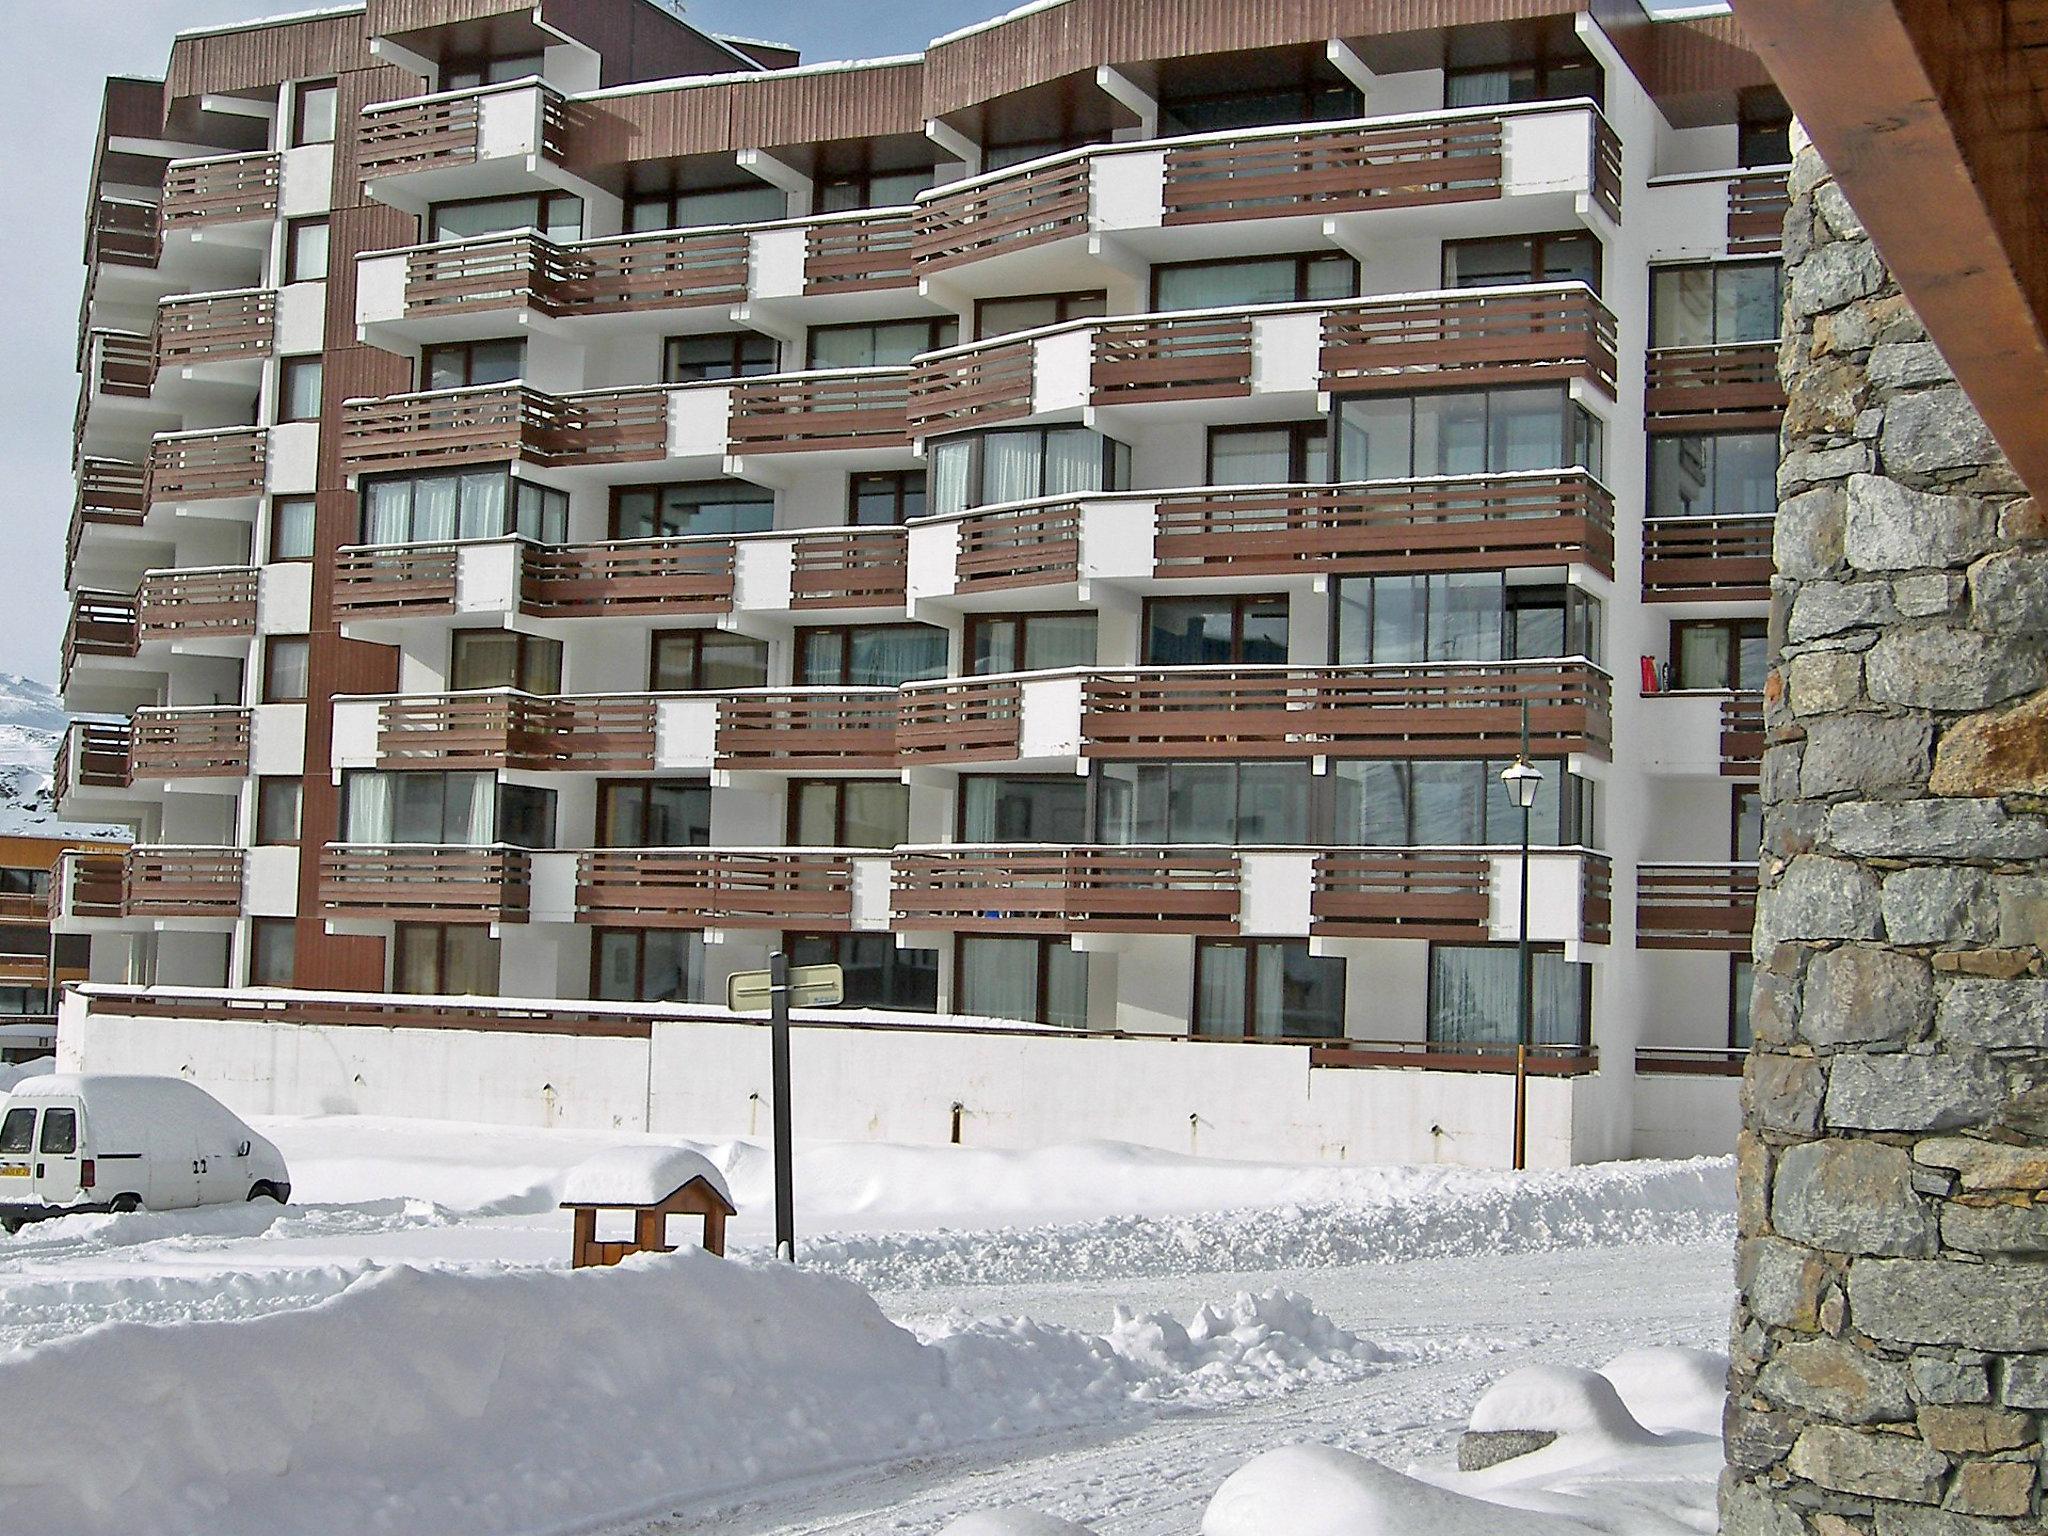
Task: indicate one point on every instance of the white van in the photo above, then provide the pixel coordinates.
(92, 1142)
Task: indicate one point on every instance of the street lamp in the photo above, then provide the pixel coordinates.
(1522, 780)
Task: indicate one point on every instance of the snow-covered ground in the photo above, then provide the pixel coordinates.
(1098, 1333)
(32, 722)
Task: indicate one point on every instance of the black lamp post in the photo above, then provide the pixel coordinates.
(1522, 779)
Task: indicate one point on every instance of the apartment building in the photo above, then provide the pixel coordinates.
(1070, 525)
(34, 963)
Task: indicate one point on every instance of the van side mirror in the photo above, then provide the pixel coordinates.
(242, 1150)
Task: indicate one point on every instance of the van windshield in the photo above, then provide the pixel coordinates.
(60, 1132)
(18, 1131)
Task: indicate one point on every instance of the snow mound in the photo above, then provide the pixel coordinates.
(1561, 1399)
(639, 1175)
(1672, 1388)
(1275, 1336)
(1318, 1490)
(1013, 1522)
(13, 1073)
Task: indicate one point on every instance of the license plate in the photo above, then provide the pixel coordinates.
(13, 1170)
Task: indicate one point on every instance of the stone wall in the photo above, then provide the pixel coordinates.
(1891, 1342)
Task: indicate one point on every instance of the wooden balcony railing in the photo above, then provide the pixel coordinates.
(846, 729)
(685, 575)
(101, 624)
(182, 882)
(1731, 388)
(396, 581)
(1199, 357)
(850, 568)
(814, 412)
(1708, 559)
(1009, 547)
(1742, 735)
(675, 269)
(215, 328)
(120, 363)
(1469, 340)
(124, 233)
(437, 884)
(208, 742)
(111, 491)
(1333, 170)
(1065, 890)
(503, 728)
(862, 255)
(1695, 906)
(998, 216)
(1434, 893)
(502, 421)
(1607, 168)
(702, 888)
(95, 885)
(1757, 205)
(1453, 1056)
(92, 755)
(973, 388)
(1457, 709)
(211, 601)
(418, 135)
(1503, 522)
(974, 720)
(206, 466)
(222, 189)
(1690, 1060)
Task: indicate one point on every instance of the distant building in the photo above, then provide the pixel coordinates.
(34, 963)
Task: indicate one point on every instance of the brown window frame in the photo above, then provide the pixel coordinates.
(935, 326)
(807, 635)
(1252, 947)
(1537, 244)
(656, 638)
(639, 936)
(270, 647)
(300, 94)
(741, 367)
(897, 480)
(1302, 260)
(267, 785)
(607, 788)
(1735, 629)
(1299, 434)
(441, 931)
(524, 645)
(1238, 603)
(976, 622)
(1063, 301)
(545, 198)
(293, 228)
(1089, 797)
(1736, 795)
(439, 351)
(260, 925)
(1735, 998)
(659, 489)
(287, 369)
(1041, 985)
(277, 556)
(838, 785)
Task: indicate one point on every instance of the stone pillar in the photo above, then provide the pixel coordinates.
(1891, 1342)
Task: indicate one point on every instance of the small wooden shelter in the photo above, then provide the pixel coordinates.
(654, 1183)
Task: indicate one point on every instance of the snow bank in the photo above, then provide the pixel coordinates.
(1013, 1522)
(1561, 1399)
(497, 1401)
(1318, 1490)
(1671, 1388)
(638, 1175)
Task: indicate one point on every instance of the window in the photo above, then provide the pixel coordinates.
(1474, 997)
(654, 813)
(1000, 317)
(273, 951)
(1714, 304)
(720, 355)
(558, 215)
(881, 344)
(1455, 804)
(1201, 96)
(691, 507)
(1267, 991)
(454, 960)
(750, 203)
(278, 802)
(1023, 809)
(848, 813)
(1215, 631)
(1720, 655)
(1460, 616)
(24, 882)
(18, 1133)
(458, 810)
(1230, 804)
(1037, 981)
(1713, 474)
(1293, 453)
(468, 504)
(869, 655)
(60, 1133)
(466, 74)
(286, 661)
(631, 966)
(1741, 984)
(844, 191)
(1254, 280)
(34, 1002)
(472, 364)
(502, 658)
(1029, 642)
(878, 974)
(291, 528)
(1763, 128)
(298, 389)
(1553, 258)
(1465, 432)
(980, 469)
(1557, 74)
(884, 499)
(305, 251)
(705, 661)
(313, 112)
(1746, 824)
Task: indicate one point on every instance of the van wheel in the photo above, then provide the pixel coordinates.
(121, 1205)
(265, 1191)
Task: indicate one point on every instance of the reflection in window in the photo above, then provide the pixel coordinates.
(1267, 991)
(885, 498)
(1149, 804)
(454, 959)
(1037, 981)
(981, 469)
(696, 507)
(720, 355)
(1741, 982)
(705, 661)
(471, 504)
(848, 813)
(1254, 280)
(1455, 804)
(1028, 312)
(654, 813)
(503, 658)
(1715, 304)
(472, 364)
(1713, 474)
(1474, 996)
(878, 974)
(869, 655)
(1465, 432)
(751, 203)
(1022, 809)
(879, 344)
(1461, 616)
(1291, 453)
(654, 966)
(1205, 631)
(1720, 655)
(1509, 259)
(558, 215)
(1030, 642)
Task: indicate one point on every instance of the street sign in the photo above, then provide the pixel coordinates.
(810, 986)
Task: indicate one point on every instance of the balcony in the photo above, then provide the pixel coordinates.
(1462, 895)
(1757, 205)
(863, 253)
(1690, 1061)
(1708, 559)
(506, 421)
(703, 888)
(102, 624)
(160, 882)
(806, 730)
(397, 581)
(496, 140)
(123, 233)
(110, 494)
(1006, 548)
(1445, 1056)
(418, 882)
(1068, 890)
(210, 741)
(1705, 734)
(1469, 340)
(1465, 709)
(501, 728)
(1709, 389)
(1189, 357)
(217, 602)
(1001, 215)
(208, 466)
(205, 330)
(1333, 170)
(666, 576)
(1696, 906)
(119, 364)
(974, 386)
(820, 412)
(978, 720)
(220, 190)
(850, 568)
(93, 754)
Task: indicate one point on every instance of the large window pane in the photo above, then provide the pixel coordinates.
(1474, 992)
(1272, 804)
(1024, 810)
(998, 978)
(1375, 438)
(877, 814)
(1222, 978)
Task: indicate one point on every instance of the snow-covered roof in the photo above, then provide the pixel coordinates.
(996, 21)
(271, 21)
(756, 42)
(639, 1176)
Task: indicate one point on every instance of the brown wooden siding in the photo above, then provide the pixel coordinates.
(791, 108)
(258, 57)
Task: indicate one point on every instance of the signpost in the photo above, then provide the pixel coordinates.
(811, 986)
